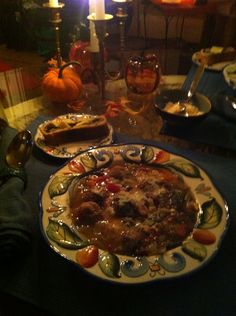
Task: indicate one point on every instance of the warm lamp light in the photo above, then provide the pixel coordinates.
(53, 3)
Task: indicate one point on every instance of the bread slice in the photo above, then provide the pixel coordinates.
(73, 128)
(214, 55)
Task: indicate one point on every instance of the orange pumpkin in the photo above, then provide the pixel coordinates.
(62, 84)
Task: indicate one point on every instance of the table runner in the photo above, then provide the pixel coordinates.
(52, 283)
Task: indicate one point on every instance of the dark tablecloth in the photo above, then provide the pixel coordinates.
(50, 282)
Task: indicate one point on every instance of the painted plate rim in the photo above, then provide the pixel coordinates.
(70, 150)
(157, 270)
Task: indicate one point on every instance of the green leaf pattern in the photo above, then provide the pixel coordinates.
(184, 167)
(59, 185)
(61, 233)
(211, 214)
(109, 264)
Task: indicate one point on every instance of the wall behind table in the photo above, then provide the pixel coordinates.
(223, 30)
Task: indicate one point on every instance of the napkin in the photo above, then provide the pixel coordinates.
(15, 214)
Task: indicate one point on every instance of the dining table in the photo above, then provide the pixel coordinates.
(56, 286)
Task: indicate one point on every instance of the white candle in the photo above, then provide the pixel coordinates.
(93, 38)
(53, 3)
(99, 10)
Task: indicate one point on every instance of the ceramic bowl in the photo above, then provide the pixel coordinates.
(198, 100)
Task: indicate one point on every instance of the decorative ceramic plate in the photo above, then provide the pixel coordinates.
(230, 75)
(215, 67)
(70, 150)
(160, 259)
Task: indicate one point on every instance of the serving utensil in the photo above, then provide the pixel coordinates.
(19, 150)
(192, 90)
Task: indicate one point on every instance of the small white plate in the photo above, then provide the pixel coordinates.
(216, 67)
(69, 150)
(230, 75)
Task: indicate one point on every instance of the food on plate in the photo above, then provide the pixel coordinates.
(72, 128)
(175, 108)
(215, 54)
(133, 209)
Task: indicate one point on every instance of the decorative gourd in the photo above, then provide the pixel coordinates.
(62, 84)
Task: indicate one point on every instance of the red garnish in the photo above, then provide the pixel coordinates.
(112, 187)
(101, 179)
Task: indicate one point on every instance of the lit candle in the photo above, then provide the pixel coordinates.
(93, 38)
(99, 10)
(53, 3)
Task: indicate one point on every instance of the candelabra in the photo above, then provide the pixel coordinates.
(100, 29)
(56, 20)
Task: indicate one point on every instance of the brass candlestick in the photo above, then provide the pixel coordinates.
(100, 29)
(122, 16)
(56, 20)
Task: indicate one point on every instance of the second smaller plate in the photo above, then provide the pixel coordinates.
(69, 150)
(215, 67)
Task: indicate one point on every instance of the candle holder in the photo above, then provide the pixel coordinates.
(100, 29)
(56, 20)
(122, 16)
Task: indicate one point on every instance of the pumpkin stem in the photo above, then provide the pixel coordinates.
(66, 65)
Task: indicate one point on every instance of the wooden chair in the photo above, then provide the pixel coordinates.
(185, 8)
(12, 90)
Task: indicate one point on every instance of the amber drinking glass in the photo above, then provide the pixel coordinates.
(142, 74)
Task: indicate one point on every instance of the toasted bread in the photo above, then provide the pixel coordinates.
(73, 128)
(214, 55)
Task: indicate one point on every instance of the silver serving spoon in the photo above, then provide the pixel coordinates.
(193, 87)
(19, 150)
